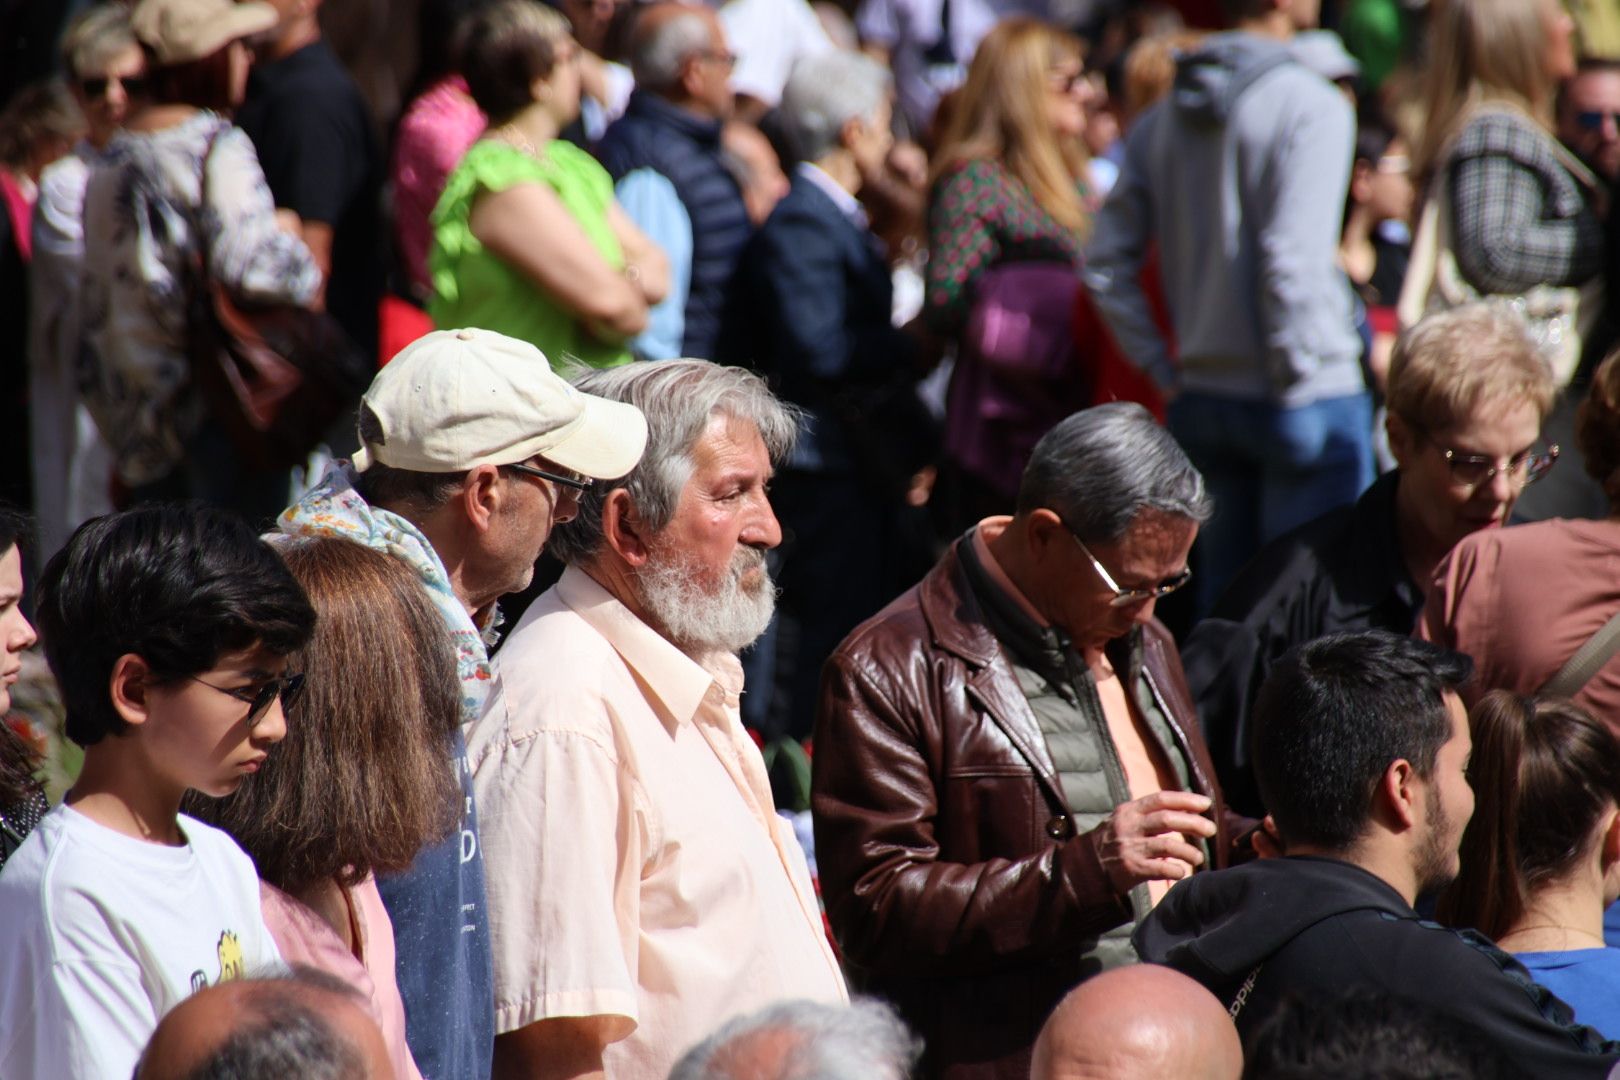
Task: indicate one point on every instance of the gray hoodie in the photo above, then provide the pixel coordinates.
(1240, 176)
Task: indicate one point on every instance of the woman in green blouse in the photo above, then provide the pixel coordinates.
(527, 238)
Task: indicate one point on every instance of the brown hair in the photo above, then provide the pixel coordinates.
(1597, 427)
(1149, 70)
(1001, 115)
(1544, 773)
(364, 778)
(204, 83)
(38, 112)
(1450, 363)
(1480, 51)
(509, 45)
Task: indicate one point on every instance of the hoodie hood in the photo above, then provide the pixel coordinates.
(1218, 927)
(1210, 80)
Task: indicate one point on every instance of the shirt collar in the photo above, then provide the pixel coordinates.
(679, 683)
(847, 204)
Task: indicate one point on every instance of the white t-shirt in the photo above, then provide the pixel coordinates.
(101, 934)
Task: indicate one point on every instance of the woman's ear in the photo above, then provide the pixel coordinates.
(622, 528)
(1609, 842)
(128, 685)
(1402, 440)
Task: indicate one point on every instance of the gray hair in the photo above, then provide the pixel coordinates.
(824, 93)
(678, 398)
(657, 55)
(1100, 467)
(94, 39)
(806, 1040)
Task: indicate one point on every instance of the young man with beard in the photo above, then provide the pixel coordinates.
(641, 888)
(1361, 748)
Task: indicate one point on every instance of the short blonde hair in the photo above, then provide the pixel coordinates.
(1453, 362)
(94, 40)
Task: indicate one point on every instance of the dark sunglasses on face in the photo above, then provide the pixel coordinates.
(259, 695)
(96, 86)
(1592, 119)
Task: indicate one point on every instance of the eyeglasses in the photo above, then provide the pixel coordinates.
(727, 60)
(1127, 597)
(1592, 119)
(96, 86)
(259, 696)
(1472, 470)
(1066, 82)
(578, 483)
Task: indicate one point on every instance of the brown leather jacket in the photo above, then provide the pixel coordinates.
(952, 875)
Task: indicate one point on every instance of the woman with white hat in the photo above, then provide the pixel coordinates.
(180, 181)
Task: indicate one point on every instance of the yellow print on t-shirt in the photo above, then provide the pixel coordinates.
(230, 957)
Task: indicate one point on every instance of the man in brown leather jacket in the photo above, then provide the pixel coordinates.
(1009, 772)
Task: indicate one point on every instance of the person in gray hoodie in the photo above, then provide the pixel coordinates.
(1240, 176)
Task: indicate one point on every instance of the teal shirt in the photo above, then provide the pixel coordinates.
(472, 287)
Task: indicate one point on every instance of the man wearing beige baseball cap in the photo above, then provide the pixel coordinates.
(471, 451)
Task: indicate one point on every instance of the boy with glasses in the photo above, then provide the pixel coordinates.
(168, 630)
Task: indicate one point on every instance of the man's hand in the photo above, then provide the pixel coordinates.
(1151, 839)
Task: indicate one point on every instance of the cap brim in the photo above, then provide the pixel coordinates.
(605, 443)
(244, 20)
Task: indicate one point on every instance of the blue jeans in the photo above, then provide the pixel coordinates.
(1269, 469)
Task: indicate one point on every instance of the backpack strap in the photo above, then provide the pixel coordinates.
(1599, 649)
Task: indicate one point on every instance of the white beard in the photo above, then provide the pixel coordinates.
(727, 616)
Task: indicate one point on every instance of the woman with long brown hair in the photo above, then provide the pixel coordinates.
(362, 782)
(1521, 212)
(1008, 189)
(1540, 859)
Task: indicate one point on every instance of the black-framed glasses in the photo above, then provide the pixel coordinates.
(259, 695)
(1592, 119)
(95, 86)
(1127, 597)
(578, 483)
(1523, 468)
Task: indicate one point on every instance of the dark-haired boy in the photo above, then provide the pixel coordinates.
(167, 629)
(1361, 750)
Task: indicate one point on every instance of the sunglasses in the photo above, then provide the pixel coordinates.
(259, 695)
(578, 483)
(1592, 119)
(1127, 597)
(96, 86)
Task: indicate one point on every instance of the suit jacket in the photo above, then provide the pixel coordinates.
(955, 880)
(810, 310)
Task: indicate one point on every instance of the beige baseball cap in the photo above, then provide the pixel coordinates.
(179, 31)
(456, 399)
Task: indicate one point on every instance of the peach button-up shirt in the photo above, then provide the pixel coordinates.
(636, 868)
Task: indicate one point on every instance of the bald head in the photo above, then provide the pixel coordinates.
(307, 1025)
(1138, 1023)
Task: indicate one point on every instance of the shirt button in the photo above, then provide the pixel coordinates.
(1059, 828)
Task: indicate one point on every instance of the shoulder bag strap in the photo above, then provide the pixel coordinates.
(1599, 649)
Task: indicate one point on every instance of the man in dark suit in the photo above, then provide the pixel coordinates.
(811, 310)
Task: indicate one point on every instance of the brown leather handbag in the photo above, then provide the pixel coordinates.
(274, 376)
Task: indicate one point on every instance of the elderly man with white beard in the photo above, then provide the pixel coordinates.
(641, 888)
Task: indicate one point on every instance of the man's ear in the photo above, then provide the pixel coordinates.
(622, 528)
(480, 496)
(691, 80)
(1396, 794)
(127, 686)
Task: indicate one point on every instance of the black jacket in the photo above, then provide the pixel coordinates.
(1343, 571)
(1312, 925)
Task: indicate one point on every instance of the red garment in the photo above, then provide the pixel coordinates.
(1115, 378)
(20, 208)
